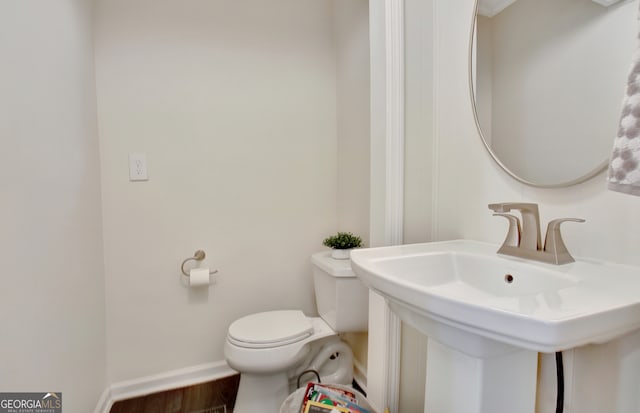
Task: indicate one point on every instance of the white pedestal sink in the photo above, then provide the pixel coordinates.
(487, 316)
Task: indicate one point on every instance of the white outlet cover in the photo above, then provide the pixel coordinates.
(138, 167)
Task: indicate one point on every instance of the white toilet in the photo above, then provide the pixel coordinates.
(271, 349)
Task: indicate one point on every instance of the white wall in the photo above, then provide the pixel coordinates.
(467, 180)
(52, 294)
(234, 104)
(419, 120)
(351, 31)
(351, 23)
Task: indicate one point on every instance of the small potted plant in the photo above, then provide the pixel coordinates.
(341, 244)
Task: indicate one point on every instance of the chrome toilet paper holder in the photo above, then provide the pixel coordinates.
(199, 255)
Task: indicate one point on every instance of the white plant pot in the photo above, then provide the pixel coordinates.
(341, 254)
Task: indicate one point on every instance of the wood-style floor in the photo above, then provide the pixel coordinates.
(210, 397)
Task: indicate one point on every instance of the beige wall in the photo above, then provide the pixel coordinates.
(467, 180)
(52, 293)
(236, 107)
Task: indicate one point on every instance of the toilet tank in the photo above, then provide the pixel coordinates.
(341, 298)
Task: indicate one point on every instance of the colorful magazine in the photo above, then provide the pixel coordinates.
(331, 396)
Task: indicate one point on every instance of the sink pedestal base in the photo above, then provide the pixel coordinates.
(459, 383)
(469, 373)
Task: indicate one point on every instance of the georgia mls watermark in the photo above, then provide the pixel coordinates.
(31, 402)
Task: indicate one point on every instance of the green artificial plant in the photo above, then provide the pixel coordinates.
(343, 241)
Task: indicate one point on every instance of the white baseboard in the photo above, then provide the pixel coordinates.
(162, 382)
(105, 402)
(360, 374)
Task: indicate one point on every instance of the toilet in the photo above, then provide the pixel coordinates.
(271, 349)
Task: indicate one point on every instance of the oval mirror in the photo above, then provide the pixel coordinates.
(547, 82)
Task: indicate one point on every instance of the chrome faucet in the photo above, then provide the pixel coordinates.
(526, 242)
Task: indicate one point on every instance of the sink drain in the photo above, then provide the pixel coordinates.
(508, 278)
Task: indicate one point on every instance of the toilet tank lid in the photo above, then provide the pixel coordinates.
(270, 328)
(337, 268)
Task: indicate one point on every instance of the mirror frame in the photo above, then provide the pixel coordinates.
(597, 170)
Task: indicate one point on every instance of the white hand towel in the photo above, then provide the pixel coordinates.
(624, 166)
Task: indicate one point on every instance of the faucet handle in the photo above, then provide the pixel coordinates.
(553, 242)
(514, 231)
(508, 206)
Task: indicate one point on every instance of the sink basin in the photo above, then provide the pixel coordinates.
(457, 291)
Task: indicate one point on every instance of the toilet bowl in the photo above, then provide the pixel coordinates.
(271, 349)
(281, 345)
(272, 341)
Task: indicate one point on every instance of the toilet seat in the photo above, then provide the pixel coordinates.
(270, 329)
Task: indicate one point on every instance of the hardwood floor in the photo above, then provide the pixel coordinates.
(217, 396)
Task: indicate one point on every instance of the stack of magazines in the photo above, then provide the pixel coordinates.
(324, 398)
